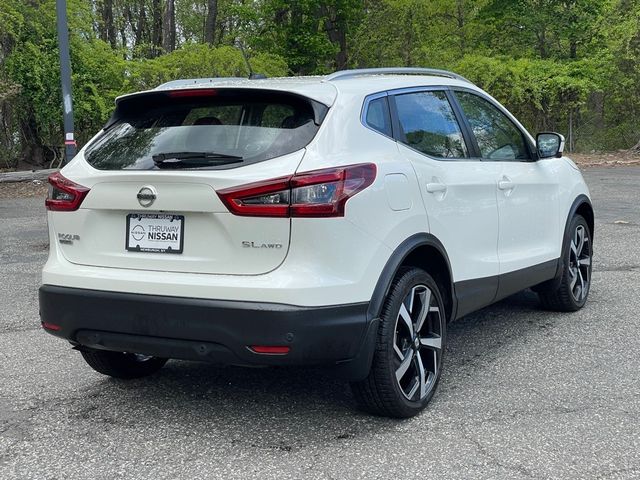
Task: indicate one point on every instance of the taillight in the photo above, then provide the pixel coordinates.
(319, 193)
(64, 195)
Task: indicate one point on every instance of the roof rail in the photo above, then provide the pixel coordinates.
(343, 74)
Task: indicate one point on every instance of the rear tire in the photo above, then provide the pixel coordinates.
(572, 292)
(122, 365)
(407, 360)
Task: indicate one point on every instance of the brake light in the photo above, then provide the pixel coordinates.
(64, 195)
(193, 92)
(319, 193)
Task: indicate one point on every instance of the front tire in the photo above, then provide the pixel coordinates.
(407, 361)
(572, 292)
(122, 365)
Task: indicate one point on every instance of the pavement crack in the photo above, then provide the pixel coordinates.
(483, 451)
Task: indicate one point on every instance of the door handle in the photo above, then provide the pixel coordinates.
(506, 184)
(436, 187)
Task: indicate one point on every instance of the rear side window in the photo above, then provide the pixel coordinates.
(429, 124)
(215, 129)
(498, 138)
(377, 116)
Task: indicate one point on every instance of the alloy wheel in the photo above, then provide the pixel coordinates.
(418, 343)
(580, 264)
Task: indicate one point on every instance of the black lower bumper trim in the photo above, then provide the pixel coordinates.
(218, 331)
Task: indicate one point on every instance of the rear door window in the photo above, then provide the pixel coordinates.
(213, 130)
(429, 124)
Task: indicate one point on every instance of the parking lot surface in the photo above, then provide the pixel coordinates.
(525, 393)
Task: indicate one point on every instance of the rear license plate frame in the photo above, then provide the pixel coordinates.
(133, 244)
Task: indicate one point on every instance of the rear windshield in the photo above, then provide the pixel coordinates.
(208, 129)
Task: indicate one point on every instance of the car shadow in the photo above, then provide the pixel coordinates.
(282, 408)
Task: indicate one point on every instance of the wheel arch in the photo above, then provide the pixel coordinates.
(580, 206)
(421, 250)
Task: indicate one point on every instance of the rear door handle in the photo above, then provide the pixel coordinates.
(436, 187)
(506, 184)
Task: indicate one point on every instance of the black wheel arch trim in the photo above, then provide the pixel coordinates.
(580, 200)
(396, 261)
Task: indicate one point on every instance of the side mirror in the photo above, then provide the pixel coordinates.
(549, 144)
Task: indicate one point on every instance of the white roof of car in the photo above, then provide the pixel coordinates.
(324, 89)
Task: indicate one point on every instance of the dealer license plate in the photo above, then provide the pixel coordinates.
(155, 232)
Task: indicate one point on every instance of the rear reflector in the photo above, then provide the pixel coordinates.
(270, 349)
(51, 326)
(64, 195)
(319, 193)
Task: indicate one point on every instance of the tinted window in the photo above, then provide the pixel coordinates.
(497, 137)
(429, 124)
(253, 125)
(377, 116)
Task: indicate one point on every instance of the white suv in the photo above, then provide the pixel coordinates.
(340, 221)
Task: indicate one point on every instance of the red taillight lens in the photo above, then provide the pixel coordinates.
(64, 195)
(319, 193)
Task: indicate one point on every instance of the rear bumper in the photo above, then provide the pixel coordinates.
(217, 331)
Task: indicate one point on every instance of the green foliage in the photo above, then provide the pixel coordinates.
(554, 63)
(198, 61)
(539, 92)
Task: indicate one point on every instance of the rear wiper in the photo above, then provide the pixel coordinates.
(193, 159)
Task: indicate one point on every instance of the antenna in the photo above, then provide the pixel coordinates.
(252, 76)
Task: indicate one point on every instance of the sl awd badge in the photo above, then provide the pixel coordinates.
(146, 196)
(247, 244)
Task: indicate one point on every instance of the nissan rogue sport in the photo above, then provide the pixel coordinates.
(339, 221)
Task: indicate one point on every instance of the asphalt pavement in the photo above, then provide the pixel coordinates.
(525, 393)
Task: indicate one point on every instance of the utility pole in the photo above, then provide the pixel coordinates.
(65, 79)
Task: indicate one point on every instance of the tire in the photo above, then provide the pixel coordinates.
(122, 365)
(572, 292)
(407, 361)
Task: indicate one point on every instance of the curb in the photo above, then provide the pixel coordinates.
(26, 176)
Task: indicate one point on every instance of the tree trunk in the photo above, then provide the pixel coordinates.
(461, 24)
(336, 31)
(542, 42)
(140, 24)
(169, 27)
(210, 24)
(108, 30)
(156, 27)
(408, 40)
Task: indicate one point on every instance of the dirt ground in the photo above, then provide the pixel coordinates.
(606, 159)
(38, 188)
(35, 188)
